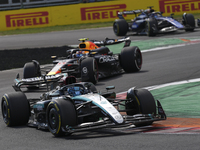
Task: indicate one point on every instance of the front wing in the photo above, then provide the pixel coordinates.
(36, 81)
(129, 122)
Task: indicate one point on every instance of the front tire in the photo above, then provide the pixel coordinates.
(120, 27)
(147, 102)
(141, 102)
(131, 59)
(31, 69)
(61, 113)
(15, 109)
(151, 27)
(89, 70)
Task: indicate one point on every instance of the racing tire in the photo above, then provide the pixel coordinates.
(146, 100)
(131, 59)
(151, 27)
(189, 22)
(31, 70)
(61, 113)
(120, 27)
(142, 103)
(15, 109)
(89, 70)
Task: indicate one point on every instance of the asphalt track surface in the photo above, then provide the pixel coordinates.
(159, 67)
(71, 37)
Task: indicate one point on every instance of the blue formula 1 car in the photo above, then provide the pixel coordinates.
(148, 22)
(79, 107)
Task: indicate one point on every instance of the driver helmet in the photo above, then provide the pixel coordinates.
(148, 11)
(74, 91)
(80, 53)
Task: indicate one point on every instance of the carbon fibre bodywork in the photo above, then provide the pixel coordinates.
(79, 107)
(89, 62)
(148, 20)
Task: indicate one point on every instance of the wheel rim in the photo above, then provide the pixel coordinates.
(115, 28)
(5, 110)
(53, 119)
(138, 58)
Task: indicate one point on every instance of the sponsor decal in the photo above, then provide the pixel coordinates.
(84, 70)
(106, 59)
(118, 117)
(38, 106)
(49, 77)
(101, 12)
(134, 26)
(172, 6)
(61, 63)
(27, 19)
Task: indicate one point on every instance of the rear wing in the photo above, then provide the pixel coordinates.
(131, 12)
(108, 41)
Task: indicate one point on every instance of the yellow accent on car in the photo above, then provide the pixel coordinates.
(59, 126)
(83, 39)
(56, 107)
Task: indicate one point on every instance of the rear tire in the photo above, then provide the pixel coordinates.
(131, 59)
(15, 109)
(120, 27)
(89, 70)
(189, 22)
(61, 113)
(31, 70)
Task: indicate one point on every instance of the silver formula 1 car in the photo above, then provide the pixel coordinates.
(79, 107)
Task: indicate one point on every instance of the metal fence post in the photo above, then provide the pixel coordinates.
(21, 1)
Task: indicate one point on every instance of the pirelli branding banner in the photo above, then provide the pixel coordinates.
(27, 19)
(179, 6)
(101, 12)
(22, 19)
(89, 12)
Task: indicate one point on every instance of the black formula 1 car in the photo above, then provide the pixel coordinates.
(148, 22)
(78, 107)
(89, 62)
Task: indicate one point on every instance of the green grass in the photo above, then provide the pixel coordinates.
(69, 27)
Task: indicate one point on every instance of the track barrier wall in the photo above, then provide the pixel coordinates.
(10, 59)
(88, 12)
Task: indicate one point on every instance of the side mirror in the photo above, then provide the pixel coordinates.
(110, 87)
(88, 85)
